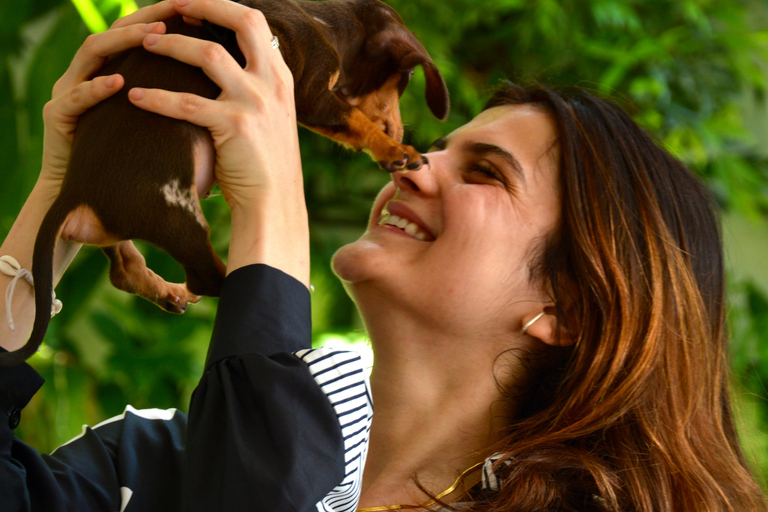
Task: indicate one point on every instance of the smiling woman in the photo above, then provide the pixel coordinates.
(544, 301)
(555, 214)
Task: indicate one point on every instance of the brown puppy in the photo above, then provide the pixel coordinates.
(132, 173)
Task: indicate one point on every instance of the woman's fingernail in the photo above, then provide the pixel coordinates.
(149, 27)
(110, 81)
(152, 39)
(137, 93)
(181, 3)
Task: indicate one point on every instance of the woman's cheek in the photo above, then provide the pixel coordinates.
(478, 212)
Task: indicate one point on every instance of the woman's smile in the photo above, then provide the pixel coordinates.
(399, 218)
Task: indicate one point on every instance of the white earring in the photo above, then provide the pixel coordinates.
(531, 322)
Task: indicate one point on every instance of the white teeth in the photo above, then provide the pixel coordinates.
(411, 228)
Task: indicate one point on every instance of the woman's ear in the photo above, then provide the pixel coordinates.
(542, 325)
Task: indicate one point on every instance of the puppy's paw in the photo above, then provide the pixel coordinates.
(176, 298)
(399, 158)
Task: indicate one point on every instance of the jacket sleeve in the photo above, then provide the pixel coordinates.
(33, 482)
(128, 463)
(17, 386)
(261, 432)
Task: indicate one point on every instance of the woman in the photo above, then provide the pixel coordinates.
(549, 308)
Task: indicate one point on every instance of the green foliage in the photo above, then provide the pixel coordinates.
(684, 68)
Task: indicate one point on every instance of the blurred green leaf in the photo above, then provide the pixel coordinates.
(684, 67)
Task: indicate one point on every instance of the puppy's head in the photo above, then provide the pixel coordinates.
(374, 79)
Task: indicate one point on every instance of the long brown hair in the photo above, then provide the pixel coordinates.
(640, 418)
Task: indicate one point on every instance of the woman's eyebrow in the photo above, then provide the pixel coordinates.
(483, 148)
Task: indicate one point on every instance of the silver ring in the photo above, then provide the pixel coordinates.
(275, 43)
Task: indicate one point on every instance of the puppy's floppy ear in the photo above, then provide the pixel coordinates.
(437, 91)
(407, 53)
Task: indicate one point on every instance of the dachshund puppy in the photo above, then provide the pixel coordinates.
(132, 173)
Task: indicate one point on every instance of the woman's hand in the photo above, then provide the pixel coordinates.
(75, 92)
(253, 121)
(253, 124)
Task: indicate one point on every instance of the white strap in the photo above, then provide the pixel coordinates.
(10, 267)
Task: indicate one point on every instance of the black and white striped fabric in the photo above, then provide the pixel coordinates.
(341, 376)
(490, 479)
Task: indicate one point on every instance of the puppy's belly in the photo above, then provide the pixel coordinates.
(83, 225)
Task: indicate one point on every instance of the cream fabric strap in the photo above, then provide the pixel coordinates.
(10, 267)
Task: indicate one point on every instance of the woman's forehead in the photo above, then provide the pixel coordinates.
(506, 119)
(525, 130)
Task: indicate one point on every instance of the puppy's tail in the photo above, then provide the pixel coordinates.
(42, 273)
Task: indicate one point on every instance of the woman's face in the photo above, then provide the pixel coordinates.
(452, 242)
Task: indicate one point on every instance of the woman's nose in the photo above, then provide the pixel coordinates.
(424, 181)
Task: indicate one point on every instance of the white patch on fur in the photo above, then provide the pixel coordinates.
(319, 20)
(184, 198)
(333, 80)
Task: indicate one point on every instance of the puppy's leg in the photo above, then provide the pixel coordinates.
(128, 269)
(183, 233)
(205, 270)
(128, 272)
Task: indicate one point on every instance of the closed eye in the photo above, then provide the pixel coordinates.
(487, 171)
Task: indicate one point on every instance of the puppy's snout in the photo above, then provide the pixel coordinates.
(394, 131)
(393, 127)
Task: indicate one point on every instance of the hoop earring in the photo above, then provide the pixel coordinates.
(531, 322)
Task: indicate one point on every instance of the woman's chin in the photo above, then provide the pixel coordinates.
(353, 263)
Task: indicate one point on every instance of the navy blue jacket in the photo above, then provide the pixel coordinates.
(260, 433)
